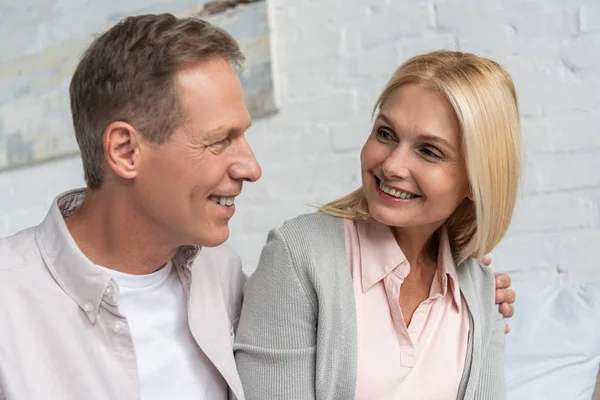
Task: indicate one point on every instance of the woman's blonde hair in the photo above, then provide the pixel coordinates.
(484, 99)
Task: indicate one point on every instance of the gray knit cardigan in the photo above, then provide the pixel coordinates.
(297, 334)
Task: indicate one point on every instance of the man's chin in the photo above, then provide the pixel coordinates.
(214, 238)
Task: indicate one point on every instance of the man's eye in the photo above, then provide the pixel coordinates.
(223, 143)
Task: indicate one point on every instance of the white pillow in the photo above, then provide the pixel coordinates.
(553, 350)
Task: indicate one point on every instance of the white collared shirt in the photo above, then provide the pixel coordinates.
(62, 332)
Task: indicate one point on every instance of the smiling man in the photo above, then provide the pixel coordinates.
(99, 300)
(124, 290)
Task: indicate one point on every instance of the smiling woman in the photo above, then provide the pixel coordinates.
(381, 291)
(475, 98)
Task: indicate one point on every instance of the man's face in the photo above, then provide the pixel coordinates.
(187, 186)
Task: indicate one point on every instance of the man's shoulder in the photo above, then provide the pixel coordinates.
(19, 250)
(21, 263)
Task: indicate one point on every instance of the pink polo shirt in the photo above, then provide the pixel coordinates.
(424, 360)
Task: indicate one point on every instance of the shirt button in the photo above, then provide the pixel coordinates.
(88, 307)
(116, 328)
(108, 290)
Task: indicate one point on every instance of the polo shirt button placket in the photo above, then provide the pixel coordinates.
(407, 357)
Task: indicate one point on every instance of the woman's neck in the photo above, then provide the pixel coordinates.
(419, 245)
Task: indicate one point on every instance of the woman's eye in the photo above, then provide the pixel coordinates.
(431, 153)
(383, 134)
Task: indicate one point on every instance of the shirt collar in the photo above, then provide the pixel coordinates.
(81, 279)
(448, 276)
(379, 252)
(380, 255)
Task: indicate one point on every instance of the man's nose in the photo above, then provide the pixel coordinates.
(246, 168)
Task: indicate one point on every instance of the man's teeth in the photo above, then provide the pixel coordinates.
(396, 193)
(224, 201)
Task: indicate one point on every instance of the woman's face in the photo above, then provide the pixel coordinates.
(413, 168)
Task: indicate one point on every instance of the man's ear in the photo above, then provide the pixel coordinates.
(122, 149)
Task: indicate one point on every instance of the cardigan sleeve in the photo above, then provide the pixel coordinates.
(275, 344)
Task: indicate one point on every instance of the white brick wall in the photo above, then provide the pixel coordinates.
(332, 59)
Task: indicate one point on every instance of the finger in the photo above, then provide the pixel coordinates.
(499, 296)
(507, 310)
(507, 329)
(505, 296)
(502, 281)
(509, 296)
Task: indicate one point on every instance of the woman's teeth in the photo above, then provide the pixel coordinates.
(396, 193)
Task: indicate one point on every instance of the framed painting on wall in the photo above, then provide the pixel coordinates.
(41, 42)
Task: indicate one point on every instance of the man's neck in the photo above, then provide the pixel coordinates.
(110, 233)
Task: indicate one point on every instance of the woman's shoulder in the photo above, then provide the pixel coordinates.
(311, 222)
(473, 272)
(313, 241)
(312, 229)
(477, 283)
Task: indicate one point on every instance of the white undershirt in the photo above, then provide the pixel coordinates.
(170, 363)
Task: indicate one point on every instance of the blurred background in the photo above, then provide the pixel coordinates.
(324, 64)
